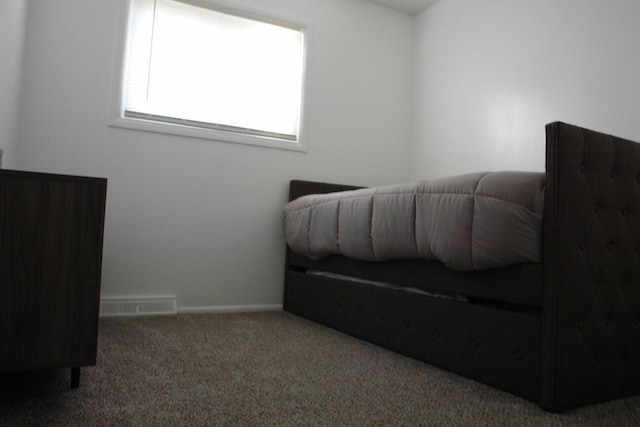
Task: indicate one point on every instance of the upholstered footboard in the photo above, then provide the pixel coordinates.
(591, 306)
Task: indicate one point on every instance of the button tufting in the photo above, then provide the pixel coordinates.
(519, 356)
(580, 326)
(582, 168)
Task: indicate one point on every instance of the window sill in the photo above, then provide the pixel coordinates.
(201, 133)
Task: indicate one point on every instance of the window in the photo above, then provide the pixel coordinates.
(197, 69)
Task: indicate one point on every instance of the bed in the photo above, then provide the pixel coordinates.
(563, 331)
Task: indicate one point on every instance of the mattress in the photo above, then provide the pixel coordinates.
(469, 222)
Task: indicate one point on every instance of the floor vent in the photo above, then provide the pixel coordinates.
(137, 307)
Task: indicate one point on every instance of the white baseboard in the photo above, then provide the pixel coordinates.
(167, 305)
(230, 308)
(138, 306)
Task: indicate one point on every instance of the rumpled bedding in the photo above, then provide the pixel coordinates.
(468, 222)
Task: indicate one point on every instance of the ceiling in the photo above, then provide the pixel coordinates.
(412, 7)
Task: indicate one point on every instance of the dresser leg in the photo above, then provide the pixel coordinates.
(75, 377)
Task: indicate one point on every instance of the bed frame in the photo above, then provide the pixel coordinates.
(563, 333)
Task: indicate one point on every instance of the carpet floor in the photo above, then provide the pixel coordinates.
(260, 369)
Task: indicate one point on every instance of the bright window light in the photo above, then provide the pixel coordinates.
(193, 65)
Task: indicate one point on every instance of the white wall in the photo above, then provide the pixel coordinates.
(201, 219)
(12, 33)
(490, 74)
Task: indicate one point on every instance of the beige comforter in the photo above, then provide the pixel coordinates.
(468, 222)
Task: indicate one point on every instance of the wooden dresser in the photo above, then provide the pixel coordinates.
(51, 229)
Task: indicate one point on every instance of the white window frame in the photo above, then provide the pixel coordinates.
(117, 110)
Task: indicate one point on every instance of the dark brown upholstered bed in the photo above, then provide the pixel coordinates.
(562, 333)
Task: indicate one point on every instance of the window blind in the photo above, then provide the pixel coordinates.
(190, 65)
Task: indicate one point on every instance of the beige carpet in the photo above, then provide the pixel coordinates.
(266, 369)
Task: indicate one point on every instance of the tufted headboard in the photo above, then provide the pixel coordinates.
(591, 308)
